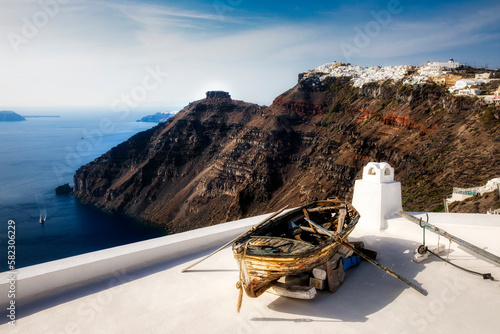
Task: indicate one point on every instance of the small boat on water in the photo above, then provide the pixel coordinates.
(294, 242)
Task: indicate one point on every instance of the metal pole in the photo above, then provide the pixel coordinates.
(387, 270)
(450, 237)
(375, 263)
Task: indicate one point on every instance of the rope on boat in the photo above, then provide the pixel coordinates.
(240, 296)
(239, 284)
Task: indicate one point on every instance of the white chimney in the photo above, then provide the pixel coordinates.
(377, 197)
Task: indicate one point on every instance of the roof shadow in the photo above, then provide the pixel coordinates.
(366, 288)
(117, 279)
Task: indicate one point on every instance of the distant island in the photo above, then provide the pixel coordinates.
(159, 117)
(10, 116)
(65, 189)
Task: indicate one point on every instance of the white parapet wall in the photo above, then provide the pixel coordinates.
(377, 197)
(51, 278)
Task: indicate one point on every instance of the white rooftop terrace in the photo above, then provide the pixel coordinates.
(140, 287)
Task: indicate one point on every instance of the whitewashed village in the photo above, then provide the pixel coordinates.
(458, 79)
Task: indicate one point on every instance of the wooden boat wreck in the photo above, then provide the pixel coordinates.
(294, 242)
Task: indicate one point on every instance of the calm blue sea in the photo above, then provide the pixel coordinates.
(40, 154)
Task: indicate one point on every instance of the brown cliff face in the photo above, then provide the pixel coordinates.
(220, 159)
(477, 204)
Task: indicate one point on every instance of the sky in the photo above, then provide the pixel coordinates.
(165, 54)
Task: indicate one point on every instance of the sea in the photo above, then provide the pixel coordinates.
(42, 153)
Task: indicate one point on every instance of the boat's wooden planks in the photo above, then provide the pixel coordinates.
(272, 250)
(276, 245)
(324, 208)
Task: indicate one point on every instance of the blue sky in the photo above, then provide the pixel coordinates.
(164, 54)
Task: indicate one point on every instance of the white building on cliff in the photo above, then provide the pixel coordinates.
(438, 66)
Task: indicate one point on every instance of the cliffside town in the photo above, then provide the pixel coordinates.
(220, 159)
(460, 80)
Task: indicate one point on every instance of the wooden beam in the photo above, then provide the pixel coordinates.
(341, 220)
(324, 208)
(335, 272)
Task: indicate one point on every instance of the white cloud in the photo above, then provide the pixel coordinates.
(433, 34)
(72, 64)
(160, 16)
(93, 52)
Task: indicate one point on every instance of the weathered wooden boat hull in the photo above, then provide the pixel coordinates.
(260, 269)
(264, 272)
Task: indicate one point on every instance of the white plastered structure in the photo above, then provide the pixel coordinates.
(377, 196)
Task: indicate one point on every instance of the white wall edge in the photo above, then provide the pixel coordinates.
(52, 278)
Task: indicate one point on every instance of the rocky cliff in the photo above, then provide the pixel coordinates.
(219, 159)
(477, 204)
